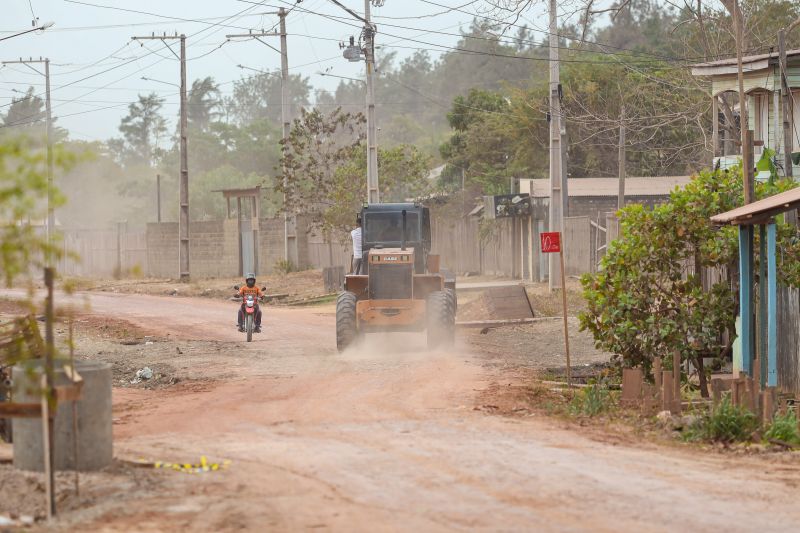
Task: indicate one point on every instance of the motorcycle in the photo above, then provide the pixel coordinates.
(249, 312)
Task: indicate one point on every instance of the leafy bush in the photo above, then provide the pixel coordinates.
(730, 423)
(725, 423)
(648, 297)
(591, 401)
(784, 429)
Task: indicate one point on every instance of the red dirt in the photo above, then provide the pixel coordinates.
(386, 437)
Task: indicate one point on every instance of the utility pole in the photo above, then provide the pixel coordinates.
(373, 192)
(621, 159)
(747, 167)
(51, 217)
(786, 98)
(285, 119)
(183, 218)
(354, 53)
(285, 111)
(51, 214)
(557, 175)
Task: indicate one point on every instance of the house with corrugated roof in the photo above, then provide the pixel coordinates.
(765, 105)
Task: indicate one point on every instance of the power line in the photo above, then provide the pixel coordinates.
(347, 22)
(176, 20)
(167, 17)
(136, 59)
(429, 15)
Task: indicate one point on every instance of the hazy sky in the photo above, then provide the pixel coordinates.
(95, 43)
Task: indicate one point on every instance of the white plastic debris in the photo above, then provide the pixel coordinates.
(144, 374)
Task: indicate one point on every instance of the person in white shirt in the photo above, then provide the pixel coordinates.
(356, 267)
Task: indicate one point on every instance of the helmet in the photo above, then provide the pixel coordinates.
(250, 279)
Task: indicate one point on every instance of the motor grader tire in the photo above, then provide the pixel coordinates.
(453, 301)
(440, 317)
(346, 321)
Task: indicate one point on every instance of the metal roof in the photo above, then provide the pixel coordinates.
(761, 211)
(749, 64)
(586, 187)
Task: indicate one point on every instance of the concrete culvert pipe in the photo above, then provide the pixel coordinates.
(95, 443)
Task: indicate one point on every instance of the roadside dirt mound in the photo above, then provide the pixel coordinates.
(497, 303)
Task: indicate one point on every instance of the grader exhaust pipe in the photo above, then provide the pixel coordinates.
(403, 241)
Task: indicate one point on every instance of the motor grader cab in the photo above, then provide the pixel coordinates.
(404, 288)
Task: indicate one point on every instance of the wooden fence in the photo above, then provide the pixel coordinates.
(789, 339)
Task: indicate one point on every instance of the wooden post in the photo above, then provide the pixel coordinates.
(676, 381)
(772, 306)
(47, 446)
(531, 246)
(75, 451)
(668, 391)
(748, 164)
(746, 295)
(566, 321)
(760, 366)
(621, 160)
(49, 395)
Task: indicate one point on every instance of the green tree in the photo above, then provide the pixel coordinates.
(203, 104)
(26, 111)
(319, 146)
(648, 298)
(403, 176)
(259, 97)
(142, 130)
(475, 147)
(23, 186)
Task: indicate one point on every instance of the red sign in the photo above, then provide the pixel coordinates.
(551, 242)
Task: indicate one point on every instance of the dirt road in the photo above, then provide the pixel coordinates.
(385, 438)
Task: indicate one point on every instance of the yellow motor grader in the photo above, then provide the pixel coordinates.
(404, 288)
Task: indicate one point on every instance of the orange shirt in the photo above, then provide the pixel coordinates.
(255, 291)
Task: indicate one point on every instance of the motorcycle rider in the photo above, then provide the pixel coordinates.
(250, 288)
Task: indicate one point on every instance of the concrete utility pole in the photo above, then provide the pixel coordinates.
(51, 217)
(786, 98)
(557, 172)
(353, 53)
(285, 111)
(373, 191)
(183, 219)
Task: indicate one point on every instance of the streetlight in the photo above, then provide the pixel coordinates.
(245, 67)
(43, 27)
(159, 81)
(341, 77)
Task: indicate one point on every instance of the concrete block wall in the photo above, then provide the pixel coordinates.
(214, 247)
(230, 247)
(207, 250)
(303, 254)
(270, 244)
(162, 249)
